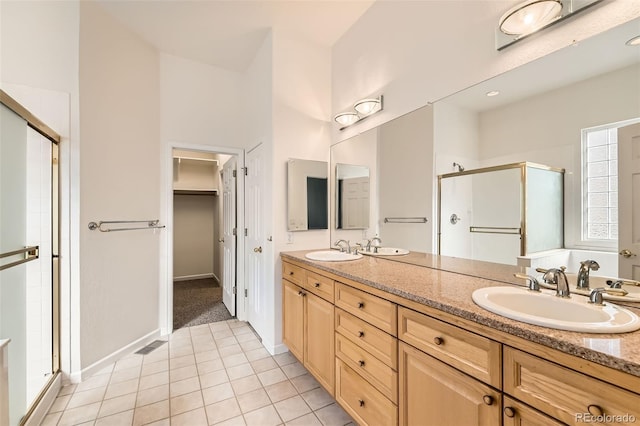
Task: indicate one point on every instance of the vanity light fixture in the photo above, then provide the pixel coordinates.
(634, 41)
(530, 16)
(362, 109)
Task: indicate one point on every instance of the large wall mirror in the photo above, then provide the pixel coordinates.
(307, 195)
(562, 111)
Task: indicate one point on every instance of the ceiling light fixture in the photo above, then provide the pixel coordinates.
(530, 16)
(362, 109)
(493, 93)
(634, 41)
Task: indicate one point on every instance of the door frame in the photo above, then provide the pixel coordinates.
(165, 294)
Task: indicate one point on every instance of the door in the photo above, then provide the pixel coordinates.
(255, 238)
(355, 203)
(629, 202)
(229, 179)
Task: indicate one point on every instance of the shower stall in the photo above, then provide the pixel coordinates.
(496, 214)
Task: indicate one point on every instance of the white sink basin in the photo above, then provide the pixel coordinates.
(547, 310)
(386, 251)
(332, 256)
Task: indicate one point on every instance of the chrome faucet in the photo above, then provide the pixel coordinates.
(557, 276)
(346, 249)
(375, 248)
(583, 273)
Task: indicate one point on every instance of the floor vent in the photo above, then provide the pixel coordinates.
(151, 347)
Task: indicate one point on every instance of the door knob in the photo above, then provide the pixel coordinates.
(257, 250)
(221, 240)
(626, 253)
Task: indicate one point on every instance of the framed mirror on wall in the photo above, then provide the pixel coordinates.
(307, 195)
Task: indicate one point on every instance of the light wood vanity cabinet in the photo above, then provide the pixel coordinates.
(389, 364)
(307, 327)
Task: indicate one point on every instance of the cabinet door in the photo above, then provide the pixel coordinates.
(293, 318)
(519, 414)
(433, 393)
(320, 343)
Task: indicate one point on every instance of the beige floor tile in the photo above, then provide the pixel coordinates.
(154, 367)
(333, 415)
(214, 378)
(184, 386)
(236, 421)
(247, 337)
(124, 418)
(151, 413)
(123, 388)
(124, 375)
(270, 377)
(181, 361)
(117, 405)
(51, 419)
(253, 400)
(87, 397)
(246, 384)
(105, 370)
(259, 353)
(181, 351)
(198, 330)
(306, 420)
(222, 410)
(197, 417)
(317, 398)
(153, 380)
(234, 322)
(243, 329)
(183, 373)
(92, 383)
(60, 404)
(207, 356)
(217, 326)
(279, 391)
(204, 347)
(292, 408)
(263, 364)
(251, 345)
(265, 416)
(294, 370)
(129, 362)
(230, 350)
(78, 415)
(304, 383)
(209, 366)
(152, 395)
(285, 358)
(186, 402)
(240, 371)
(222, 334)
(163, 422)
(227, 341)
(217, 393)
(67, 390)
(233, 360)
(159, 354)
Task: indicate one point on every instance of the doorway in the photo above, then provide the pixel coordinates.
(203, 259)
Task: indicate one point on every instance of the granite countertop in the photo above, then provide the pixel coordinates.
(451, 292)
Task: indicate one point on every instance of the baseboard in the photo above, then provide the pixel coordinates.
(87, 372)
(195, 277)
(276, 349)
(45, 403)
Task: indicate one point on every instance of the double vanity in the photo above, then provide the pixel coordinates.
(398, 343)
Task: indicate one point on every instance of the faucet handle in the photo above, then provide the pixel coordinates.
(532, 282)
(596, 296)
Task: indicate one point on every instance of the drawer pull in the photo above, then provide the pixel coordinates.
(361, 402)
(290, 272)
(488, 399)
(302, 293)
(360, 333)
(316, 285)
(595, 410)
(361, 363)
(360, 305)
(509, 412)
(438, 340)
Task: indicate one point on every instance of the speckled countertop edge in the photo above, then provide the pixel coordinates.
(627, 344)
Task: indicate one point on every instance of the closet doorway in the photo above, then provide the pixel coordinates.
(204, 236)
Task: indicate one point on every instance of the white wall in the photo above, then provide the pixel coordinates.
(194, 221)
(120, 177)
(416, 52)
(39, 67)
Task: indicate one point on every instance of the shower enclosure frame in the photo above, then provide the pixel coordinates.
(50, 134)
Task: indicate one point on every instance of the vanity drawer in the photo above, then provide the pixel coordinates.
(565, 394)
(380, 375)
(294, 273)
(468, 352)
(361, 400)
(373, 309)
(371, 339)
(516, 413)
(320, 285)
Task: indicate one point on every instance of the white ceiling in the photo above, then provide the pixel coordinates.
(228, 33)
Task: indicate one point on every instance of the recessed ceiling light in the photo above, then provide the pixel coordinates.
(634, 41)
(493, 93)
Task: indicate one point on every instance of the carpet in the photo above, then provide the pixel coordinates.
(198, 302)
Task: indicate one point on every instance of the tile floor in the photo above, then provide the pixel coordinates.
(211, 374)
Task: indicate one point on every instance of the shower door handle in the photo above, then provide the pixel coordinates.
(30, 253)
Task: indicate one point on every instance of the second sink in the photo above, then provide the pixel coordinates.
(386, 251)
